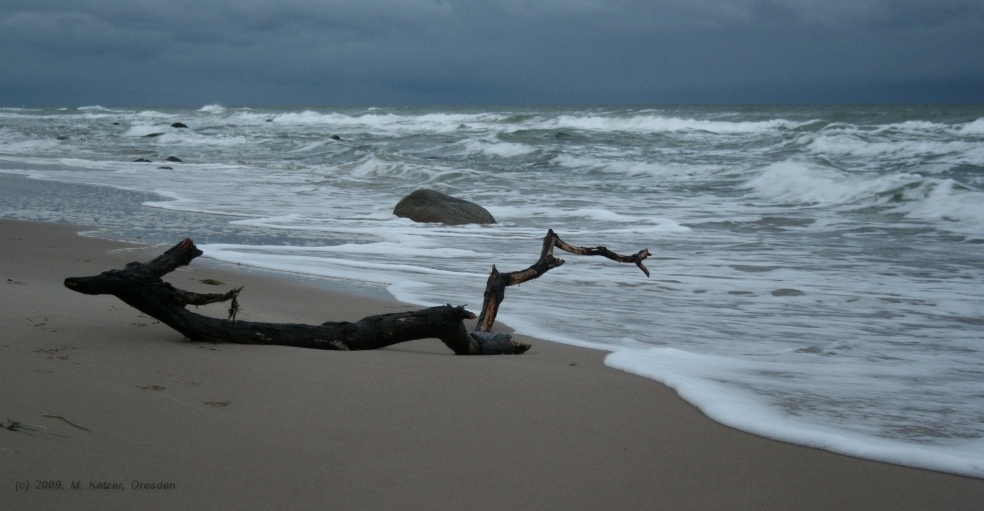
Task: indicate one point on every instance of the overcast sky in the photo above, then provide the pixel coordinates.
(385, 52)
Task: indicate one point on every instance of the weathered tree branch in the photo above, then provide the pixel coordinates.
(495, 288)
(140, 285)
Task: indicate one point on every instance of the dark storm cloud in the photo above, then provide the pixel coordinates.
(516, 51)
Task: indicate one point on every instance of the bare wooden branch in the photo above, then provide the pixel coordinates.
(495, 287)
(141, 286)
(636, 258)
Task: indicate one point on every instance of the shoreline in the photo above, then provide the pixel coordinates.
(123, 399)
(128, 215)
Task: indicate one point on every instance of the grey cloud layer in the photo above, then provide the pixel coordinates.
(427, 51)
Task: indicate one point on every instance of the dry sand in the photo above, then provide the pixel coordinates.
(122, 398)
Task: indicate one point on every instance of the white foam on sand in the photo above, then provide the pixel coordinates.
(697, 377)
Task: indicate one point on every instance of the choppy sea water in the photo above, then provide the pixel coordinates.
(816, 271)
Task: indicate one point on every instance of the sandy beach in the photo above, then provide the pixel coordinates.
(109, 409)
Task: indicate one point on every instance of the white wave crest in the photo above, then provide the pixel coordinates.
(945, 200)
(973, 128)
(379, 122)
(374, 167)
(920, 127)
(21, 146)
(915, 196)
(656, 123)
(812, 184)
(493, 147)
(629, 167)
(849, 145)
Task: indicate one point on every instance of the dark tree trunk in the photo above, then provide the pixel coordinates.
(140, 285)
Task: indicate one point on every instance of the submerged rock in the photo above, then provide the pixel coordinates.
(787, 292)
(430, 206)
(179, 125)
(173, 158)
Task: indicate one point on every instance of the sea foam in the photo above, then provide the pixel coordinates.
(706, 381)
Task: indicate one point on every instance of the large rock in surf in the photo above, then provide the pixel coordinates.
(436, 207)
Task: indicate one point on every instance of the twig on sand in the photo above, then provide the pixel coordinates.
(66, 421)
(13, 425)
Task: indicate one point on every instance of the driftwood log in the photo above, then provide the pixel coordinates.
(141, 286)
